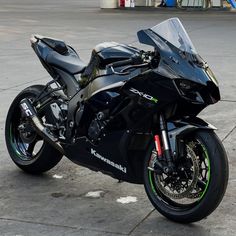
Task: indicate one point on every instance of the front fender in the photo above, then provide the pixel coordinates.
(178, 129)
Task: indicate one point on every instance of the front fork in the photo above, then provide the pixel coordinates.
(164, 160)
(167, 145)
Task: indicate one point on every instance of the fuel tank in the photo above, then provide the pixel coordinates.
(109, 52)
(102, 55)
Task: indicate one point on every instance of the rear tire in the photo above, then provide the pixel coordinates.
(20, 151)
(212, 193)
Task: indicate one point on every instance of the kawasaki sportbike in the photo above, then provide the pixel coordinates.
(129, 113)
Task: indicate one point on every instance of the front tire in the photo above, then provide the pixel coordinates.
(29, 152)
(210, 184)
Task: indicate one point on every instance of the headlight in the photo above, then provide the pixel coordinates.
(189, 90)
(212, 76)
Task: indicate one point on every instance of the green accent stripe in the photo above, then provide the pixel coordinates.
(155, 100)
(13, 144)
(150, 180)
(209, 171)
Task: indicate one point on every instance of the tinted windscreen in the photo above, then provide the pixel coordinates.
(173, 31)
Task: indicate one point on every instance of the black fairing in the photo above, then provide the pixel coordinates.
(62, 65)
(178, 65)
(56, 44)
(50, 57)
(119, 154)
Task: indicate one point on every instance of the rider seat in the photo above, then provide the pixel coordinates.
(63, 56)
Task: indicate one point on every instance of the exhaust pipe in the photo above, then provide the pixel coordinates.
(29, 111)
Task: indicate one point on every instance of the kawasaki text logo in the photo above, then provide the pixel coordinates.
(119, 167)
(141, 94)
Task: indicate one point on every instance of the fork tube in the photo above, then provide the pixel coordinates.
(166, 146)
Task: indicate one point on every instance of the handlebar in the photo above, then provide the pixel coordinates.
(120, 63)
(136, 59)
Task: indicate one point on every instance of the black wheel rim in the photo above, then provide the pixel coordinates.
(202, 184)
(26, 151)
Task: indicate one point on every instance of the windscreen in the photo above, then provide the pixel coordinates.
(174, 33)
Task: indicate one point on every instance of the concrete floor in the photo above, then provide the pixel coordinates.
(56, 203)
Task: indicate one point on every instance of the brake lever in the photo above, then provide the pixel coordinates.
(119, 73)
(134, 66)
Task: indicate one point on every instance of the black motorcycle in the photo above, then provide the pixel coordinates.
(129, 113)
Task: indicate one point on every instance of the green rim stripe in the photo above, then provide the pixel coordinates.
(150, 180)
(209, 171)
(208, 179)
(12, 144)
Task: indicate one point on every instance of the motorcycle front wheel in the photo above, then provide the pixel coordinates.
(199, 184)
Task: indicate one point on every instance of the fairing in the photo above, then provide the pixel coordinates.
(179, 58)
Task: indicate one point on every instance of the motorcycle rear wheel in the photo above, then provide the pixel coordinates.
(27, 150)
(210, 182)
